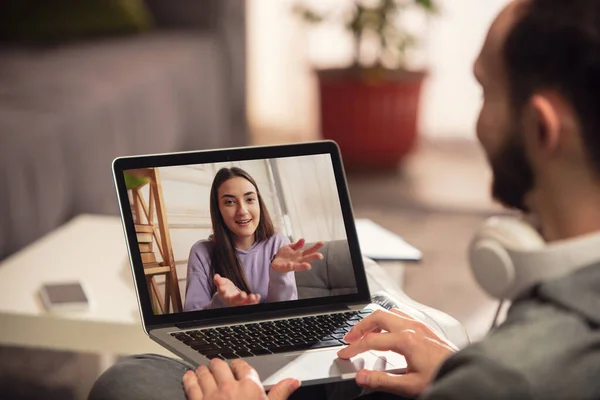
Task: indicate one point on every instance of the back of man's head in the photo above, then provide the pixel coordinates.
(555, 45)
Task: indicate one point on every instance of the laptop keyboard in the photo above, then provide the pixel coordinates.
(272, 337)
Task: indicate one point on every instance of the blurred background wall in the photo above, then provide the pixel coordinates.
(282, 97)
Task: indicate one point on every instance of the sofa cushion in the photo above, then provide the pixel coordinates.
(331, 276)
(66, 113)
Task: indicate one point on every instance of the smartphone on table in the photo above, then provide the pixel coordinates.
(64, 296)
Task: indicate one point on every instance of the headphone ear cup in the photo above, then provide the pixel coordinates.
(490, 253)
(491, 267)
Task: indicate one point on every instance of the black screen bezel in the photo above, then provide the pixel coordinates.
(122, 164)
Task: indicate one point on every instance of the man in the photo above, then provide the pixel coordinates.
(540, 128)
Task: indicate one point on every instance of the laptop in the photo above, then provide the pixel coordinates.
(182, 211)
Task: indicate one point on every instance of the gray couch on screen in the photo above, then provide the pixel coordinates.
(334, 275)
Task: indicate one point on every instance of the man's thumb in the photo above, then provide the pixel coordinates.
(404, 384)
(284, 389)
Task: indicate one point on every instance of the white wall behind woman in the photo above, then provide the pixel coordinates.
(310, 195)
(282, 93)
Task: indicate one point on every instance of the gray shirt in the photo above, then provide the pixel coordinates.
(256, 264)
(548, 348)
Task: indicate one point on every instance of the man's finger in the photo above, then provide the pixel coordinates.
(191, 387)
(206, 380)
(242, 370)
(415, 323)
(378, 320)
(284, 389)
(401, 343)
(221, 371)
(388, 321)
(409, 318)
(405, 385)
(402, 314)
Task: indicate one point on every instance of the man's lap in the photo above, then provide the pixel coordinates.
(144, 376)
(151, 376)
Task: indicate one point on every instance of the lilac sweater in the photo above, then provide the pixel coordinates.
(256, 263)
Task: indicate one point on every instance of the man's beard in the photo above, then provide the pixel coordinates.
(512, 173)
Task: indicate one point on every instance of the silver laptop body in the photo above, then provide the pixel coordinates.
(297, 177)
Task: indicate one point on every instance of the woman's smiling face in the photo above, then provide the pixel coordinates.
(239, 207)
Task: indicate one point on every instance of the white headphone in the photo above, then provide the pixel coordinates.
(508, 256)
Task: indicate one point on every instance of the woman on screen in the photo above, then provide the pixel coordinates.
(245, 261)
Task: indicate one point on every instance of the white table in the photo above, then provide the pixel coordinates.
(92, 249)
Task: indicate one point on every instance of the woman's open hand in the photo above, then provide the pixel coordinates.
(292, 258)
(231, 295)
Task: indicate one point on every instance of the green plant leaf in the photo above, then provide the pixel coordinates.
(134, 182)
(380, 18)
(308, 15)
(429, 5)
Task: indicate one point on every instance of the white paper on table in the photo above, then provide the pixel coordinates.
(380, 244)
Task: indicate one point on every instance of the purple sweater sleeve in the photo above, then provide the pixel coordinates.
(197, 293)
(282, 285)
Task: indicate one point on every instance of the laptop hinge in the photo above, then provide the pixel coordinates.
(264, 315)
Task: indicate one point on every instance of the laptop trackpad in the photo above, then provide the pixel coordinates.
(323, 366)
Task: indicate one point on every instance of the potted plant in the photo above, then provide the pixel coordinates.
(371, 107)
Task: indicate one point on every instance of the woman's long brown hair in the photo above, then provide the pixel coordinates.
(224, 259)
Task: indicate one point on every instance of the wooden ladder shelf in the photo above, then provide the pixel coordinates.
(151, 232)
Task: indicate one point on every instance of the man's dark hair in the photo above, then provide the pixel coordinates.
(556, 45)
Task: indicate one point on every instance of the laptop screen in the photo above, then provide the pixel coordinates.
(239, 233)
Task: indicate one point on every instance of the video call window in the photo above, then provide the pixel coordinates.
(238, 233)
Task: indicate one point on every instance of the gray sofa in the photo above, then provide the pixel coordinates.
(67, 111)
(333, 275)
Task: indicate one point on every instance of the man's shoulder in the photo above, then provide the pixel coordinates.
(545, 345)
(472, 374)
(534, 322)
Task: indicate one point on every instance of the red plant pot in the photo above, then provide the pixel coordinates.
(373, 118)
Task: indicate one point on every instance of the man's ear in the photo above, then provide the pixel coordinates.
(546, 117)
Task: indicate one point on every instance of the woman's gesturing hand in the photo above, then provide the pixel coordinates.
(422, 348)
(231, 295)
(293, 258)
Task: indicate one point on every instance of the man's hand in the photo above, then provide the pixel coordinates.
(231, 295)
(292, 258)
(393, 330)
(240, 382)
